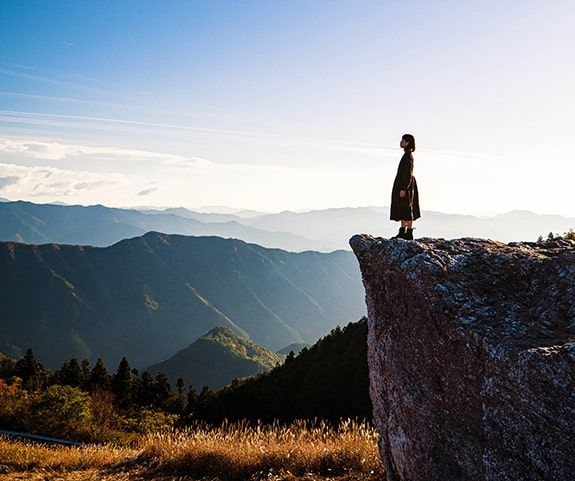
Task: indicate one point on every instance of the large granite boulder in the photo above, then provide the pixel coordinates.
(471, 352)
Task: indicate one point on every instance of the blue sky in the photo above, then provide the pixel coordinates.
(277, 105)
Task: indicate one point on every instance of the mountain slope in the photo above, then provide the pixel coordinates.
(216, 358)
(329, 381)
(147, 297)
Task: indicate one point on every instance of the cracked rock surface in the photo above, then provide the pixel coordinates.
(471, 353)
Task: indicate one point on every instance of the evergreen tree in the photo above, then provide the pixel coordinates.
(209, 407)
(207, 394)
(85, 375)
(99, 377)
(123, 385)
(70, 373)
(163, 392)
(179, 404)
(192, 400)
(145, 393)
(330, 381)
(34, 376)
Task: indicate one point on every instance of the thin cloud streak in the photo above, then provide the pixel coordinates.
(65, 83)
(360, 147)
(47, 71)
(58, 151)
(63, 99)
(103, 103)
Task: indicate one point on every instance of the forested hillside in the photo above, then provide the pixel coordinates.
(329, 381)
(148, 297)
(216, 358)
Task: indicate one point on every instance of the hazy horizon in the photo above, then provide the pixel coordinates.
(232, 209)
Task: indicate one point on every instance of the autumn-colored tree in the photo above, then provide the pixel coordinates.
(6, 366)
(104, 414)
(14, 404)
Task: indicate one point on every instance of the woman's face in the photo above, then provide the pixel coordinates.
(404, 144)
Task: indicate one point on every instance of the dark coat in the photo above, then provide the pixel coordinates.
(406, 208)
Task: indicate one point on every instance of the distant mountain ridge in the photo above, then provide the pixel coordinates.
(148, 297)
(322, 230)
(338, 225)
(216, 359)
(102, 226)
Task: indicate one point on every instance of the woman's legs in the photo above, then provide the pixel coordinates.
(406, 231)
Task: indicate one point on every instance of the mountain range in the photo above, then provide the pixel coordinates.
(322, 230)
(150, 296)
(339, 225)
(101, 226)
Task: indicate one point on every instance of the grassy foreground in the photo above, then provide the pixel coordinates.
(229, 452)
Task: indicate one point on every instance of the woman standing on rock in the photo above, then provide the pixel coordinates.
(404, 196)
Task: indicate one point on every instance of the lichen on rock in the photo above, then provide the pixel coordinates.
(471, 353)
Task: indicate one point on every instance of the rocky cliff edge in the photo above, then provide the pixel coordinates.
(471, 353)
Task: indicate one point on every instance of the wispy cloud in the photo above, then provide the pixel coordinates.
(54, 98)
(38, 181)
(81, 121)
(147, 191)
(57, 151)
(194, 162)
(6, 181)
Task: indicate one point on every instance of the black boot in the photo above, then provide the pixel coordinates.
(408, 234)
(400, 234)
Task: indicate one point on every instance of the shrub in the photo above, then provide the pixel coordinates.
(62, 411)
(149, 420)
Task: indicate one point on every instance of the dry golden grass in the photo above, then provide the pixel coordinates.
(237, 451)
(25, 456)
(230, 452)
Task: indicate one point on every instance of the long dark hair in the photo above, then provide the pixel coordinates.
(411, 139)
